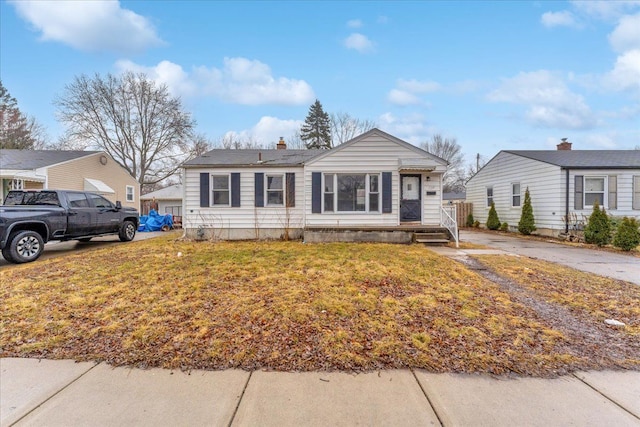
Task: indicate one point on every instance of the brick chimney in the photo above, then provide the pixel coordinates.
(564, 145)
(281, 144)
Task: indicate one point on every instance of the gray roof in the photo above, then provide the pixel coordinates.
(454, 196)
(171, 192)
(223, 157)
(584, 159)
(34, 159)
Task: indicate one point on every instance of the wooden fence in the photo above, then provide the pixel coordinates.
(462, 212)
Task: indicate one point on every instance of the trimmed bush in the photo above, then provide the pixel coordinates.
(627, 234)
(504, 227)
(527, 224)
(476, 224)
(493, 222)
(598, 229)
(470, 220)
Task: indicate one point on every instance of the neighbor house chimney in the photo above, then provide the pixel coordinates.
(281, 144)
(564, 145)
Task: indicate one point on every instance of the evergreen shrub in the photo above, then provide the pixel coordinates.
(470, 220)
(598, 229)
(627, 234)
(527, 224)
(493, 222)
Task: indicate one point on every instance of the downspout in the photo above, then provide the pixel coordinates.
(566, 202)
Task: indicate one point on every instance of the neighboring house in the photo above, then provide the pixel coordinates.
(94, 171)
(563, 184)
(367, 188)
(168, 200)
(452, 197)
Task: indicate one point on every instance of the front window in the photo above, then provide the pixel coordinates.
(220, 190)
(636, 192)
(515, 194)
(593, 191)
(351, 192)
(275, 190)
(489, 196)
(129, 193)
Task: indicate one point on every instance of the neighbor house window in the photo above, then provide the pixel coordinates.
(636, 192)
(515, 194)
(275, 190)
(489, 196)
(129, 193)
(173, 210)
(328, 192)
(220, 190)
(351, 192)
(16, 184)
(594, 190)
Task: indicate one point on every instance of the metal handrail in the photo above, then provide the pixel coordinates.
(448, 220)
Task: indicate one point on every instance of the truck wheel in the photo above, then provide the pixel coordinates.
(6, 253)
(127, 231)
(25, 246)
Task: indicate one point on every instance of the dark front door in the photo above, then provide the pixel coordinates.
(410, 206)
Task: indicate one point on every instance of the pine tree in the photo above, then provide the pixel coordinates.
(627, 235)
(15, 127)
(598, 229)
(316, 130)
(527, 225)
(493, 222)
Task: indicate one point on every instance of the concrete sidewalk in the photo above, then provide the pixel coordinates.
(64, 393)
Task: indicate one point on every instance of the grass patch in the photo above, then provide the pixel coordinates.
(588, 294)
(272, 305)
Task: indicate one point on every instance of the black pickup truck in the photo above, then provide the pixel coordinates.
(29, 219)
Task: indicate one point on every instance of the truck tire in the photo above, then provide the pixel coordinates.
(7, 254)
(24, 246)
(127, 231)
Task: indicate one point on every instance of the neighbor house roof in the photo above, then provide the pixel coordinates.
(168, 193)
(253, 157)
(454, 196)
(34, 159)
(584, 159)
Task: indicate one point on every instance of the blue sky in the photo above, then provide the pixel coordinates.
(494, 75)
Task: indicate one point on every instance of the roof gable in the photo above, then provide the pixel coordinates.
(35, 159)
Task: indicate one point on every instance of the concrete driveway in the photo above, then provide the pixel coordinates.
(623, 267)
(55, 249)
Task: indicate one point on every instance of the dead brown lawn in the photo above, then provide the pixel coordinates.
(273, 305)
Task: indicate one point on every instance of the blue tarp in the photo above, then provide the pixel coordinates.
(154, 221)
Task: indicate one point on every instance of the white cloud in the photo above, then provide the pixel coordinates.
(354, 23)
(411, 128)
(89, 25)
(605, 9)
(407, 91)
(401, 97)
(267, 131)
(626, 35)
(417, 86)
(550, 102)
(359, 42)
(239, 81)
(559, 19)
(626, 72)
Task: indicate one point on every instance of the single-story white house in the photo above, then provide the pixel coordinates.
(373, 187)
(564, 184)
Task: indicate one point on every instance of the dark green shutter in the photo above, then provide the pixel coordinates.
(291, 190)
(386, 192)
(578, 199)
(204, 190)
(316, 192)
(259, 177)
(235, 190)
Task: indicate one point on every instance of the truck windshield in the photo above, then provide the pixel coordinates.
(15, 198)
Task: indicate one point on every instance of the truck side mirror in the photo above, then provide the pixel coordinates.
(118, 205)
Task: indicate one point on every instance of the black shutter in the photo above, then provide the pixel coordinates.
(204, 190)
(577, 193)
(386, 192)
(259, 190)
(235, 190)
(316, 192)
(291, 190)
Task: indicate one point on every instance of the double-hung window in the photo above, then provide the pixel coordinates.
(636, 192)
(515, 194)
(489, 196)
(275, 190)
(594, 189)
(129, 193)
(220, 190)
(351, 192)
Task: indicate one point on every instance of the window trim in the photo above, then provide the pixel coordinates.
(514, 195)
(489, 198)
(267, 190)
(367, 177)
(133, 193)
(635, 195)
(213, 203)
(605, 186)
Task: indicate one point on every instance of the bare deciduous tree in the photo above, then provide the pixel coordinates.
(345, 127)
(132, 118)
(449, 150)
(17, 130)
